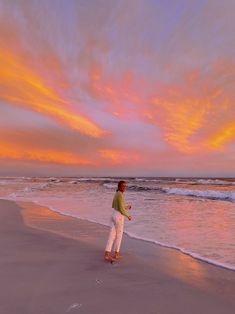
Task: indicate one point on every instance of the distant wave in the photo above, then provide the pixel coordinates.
(96, 179)
(138, 186)
(55, 180)
(153, 180)
(132, 180)
(110, 185)
(133, 187)
(198, 193)
(188, 181)
(39, 187)
(205, 181)
(213, 181)
(230, 196)
(13, 180)
(30, 189)
(73, 182)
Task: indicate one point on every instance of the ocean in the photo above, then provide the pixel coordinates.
(193, 215)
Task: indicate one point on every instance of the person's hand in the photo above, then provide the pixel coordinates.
(129, 217)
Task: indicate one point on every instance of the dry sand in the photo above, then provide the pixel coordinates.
(53, 264)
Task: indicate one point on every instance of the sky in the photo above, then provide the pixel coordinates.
(114, 87)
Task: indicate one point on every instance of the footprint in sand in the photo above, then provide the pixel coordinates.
(99, 281)
(73, 306)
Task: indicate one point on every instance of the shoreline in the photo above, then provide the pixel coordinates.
(53, 263)
(158, 245)
(155, 242)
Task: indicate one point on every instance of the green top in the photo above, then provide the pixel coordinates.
(119, 203)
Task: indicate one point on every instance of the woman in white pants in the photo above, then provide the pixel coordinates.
(117, 223)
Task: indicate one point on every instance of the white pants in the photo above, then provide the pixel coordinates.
(116, 231)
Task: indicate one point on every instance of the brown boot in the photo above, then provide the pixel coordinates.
(108, 257)
(117, 255)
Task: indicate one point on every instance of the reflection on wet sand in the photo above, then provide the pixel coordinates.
(42, 218)
(173, 263)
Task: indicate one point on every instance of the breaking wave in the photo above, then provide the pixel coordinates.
(202, 193)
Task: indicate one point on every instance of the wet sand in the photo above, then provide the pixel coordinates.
(52, 264)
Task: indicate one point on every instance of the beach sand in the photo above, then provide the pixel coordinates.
(53, 264)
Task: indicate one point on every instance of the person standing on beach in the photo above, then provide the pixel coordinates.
(117, 223)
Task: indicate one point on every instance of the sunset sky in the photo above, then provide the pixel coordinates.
(125, 88)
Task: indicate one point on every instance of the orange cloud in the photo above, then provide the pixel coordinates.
(193, 112)
(189, 122)
(22, 87)
(180, 118)
(119, 157)
(122, 97)
(225, 135)
(32, 76)
(188, 113)
(14, 152)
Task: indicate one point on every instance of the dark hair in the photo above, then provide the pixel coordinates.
(119, 184)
